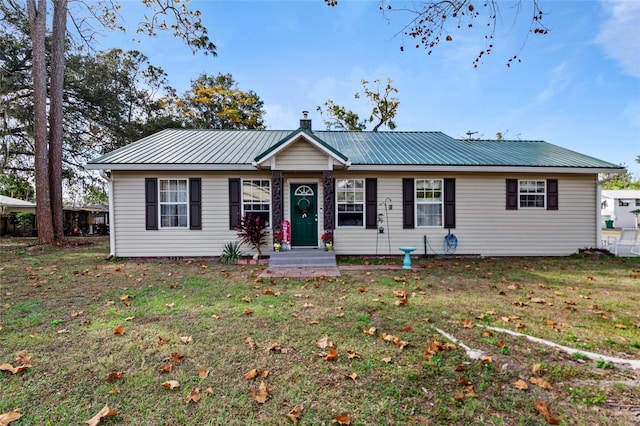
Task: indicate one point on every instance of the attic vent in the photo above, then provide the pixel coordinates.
(305, 122)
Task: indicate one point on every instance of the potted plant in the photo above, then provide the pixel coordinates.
(251, 231)
(277, 240)
(327, 239)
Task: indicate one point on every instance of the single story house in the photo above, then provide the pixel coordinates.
(10, 223)
(617, 206)
(181, 192)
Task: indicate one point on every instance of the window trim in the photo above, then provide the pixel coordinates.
(161, 203)
(243, 202)
(441, 203)
(544, 194)
(363, 203)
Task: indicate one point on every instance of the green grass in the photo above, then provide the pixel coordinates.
(220, 306)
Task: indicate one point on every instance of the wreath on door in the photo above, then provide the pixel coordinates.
(303, 208)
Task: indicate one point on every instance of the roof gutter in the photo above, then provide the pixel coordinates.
(112, 218)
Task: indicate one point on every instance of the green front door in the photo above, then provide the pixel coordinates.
(304, 214)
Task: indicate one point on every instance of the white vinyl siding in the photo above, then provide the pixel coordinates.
(301, 156)
(483, 226)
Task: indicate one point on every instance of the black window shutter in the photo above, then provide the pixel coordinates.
(512, 194)
(408, 195)
(195, 203)
(449, 203)
(552, 194)
(235, 202)
(151, 203)
(371, 199)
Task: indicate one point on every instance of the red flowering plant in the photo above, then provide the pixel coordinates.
(327, 237)
(277, 237)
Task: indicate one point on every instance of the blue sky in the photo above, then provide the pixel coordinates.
(577, 87)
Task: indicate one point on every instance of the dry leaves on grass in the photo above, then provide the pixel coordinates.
(541, 407)
(324, 342)
(342, 419)
(118, 375)
(105, 412)
(171, 384)
(295, 414)
(119, 331)
(262, 394)
(9, 417)
(14, 370)
(194, 396)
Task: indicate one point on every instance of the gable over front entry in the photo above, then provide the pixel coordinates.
(182, 192)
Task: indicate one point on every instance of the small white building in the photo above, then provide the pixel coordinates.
(616, 206)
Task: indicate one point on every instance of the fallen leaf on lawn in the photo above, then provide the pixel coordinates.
(501, 344)
(620, 326)
(64, 331)
(353, 354)
(171, 384)
(352, 376)
(194, 396)
(362, 289)
(387, 359)
(541, 407)
(177, 357)
(119, 330)
(541, 383)
(399, 279)
(461, 367)
(486, 360)
(105, 412)
(487, 333)
(342, 419)
(162, 341)
(536, 368)
(208, 391)
(166, 368)
(186, 339)
(324, 342)
(246, 299)
(115, 376)
(370, 330)
(247, 312)
(277, 348)
(307, 305)
(537, 300)
(294, 415)
(466, 323)
(129, 318)
(470, 393)
(203, 372)
(263, 393)
(520, 384)
(114, 391)
(250, 375)
(403, 294)
(332, 355)
(458, 397)
(170, 305)
(10, 416)
(463, 381)
(215, 316)
(401, 302)
(253, 345)
(23, 358)
(520, 325)
(14, 370)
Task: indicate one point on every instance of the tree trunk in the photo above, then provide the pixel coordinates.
(56, 94)
(37, 23)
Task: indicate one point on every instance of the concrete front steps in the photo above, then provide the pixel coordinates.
(302, 263)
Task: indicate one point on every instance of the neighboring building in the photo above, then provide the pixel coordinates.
(77, 220)
(617, 206)
(11, 222)
(182, 192)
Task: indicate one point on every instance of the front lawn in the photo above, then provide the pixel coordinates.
(362, 348)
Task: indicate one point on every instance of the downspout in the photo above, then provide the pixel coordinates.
(112, 217)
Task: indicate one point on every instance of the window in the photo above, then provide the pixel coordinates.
(256, 199)
(429, 202)
(174, 203)
(532, 193)
(623, 203)
(637, 202)
(350, 202)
